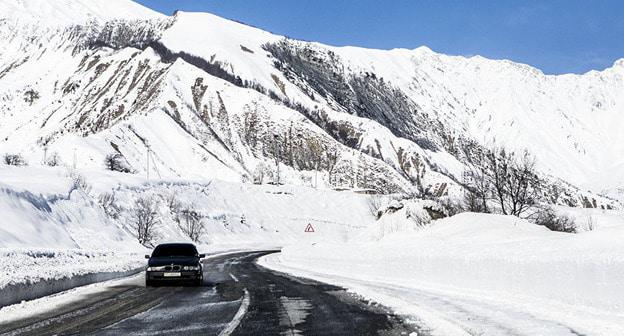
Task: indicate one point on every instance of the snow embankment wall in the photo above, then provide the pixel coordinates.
(496, 255)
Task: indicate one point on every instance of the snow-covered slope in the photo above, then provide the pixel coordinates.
(52, 207)
(68, 12)
(209, 97)
(481, 274)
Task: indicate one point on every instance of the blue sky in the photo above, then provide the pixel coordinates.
(557, 36)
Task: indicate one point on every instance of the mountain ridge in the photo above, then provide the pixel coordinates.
(68, 12)
(402, 119)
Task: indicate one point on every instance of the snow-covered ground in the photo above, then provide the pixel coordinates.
(482, 274)
(467, 274)
(54, 228)
(31, 266)
(49, 303)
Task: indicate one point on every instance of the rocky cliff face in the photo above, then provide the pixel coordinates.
(211, 98)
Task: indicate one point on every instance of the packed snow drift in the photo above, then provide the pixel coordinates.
(481, 273)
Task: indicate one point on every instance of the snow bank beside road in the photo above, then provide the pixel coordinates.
(490, 255)
(29, 274)
(52, 230)
(31, 266)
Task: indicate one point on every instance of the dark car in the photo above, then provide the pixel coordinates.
(174, 263)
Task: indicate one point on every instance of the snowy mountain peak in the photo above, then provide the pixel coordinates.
(220, 91)
(67, 12)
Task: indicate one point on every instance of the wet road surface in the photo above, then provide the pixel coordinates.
(238, 297)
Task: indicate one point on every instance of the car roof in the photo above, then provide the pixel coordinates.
(176, 245)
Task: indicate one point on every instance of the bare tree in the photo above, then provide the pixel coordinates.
(175, 206)
(522, 185)
(261, 172)
(477, 191)
(332, 160)
(555, 191)
(191, 223)
(145, 220)
(251, 124)
(506, 178)
(473, 203)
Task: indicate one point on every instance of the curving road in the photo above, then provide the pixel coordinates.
(238, 298)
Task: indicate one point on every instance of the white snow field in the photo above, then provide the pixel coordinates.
(475, 274)
(53, 229)
(65, 12)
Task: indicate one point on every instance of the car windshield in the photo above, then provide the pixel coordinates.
(175, 251)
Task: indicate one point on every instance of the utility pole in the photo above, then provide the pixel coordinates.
(276, 153)
(148, 166)
(45, 154)
(356, 171)
(316, 175)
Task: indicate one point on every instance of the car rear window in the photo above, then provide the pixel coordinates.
(175, 251)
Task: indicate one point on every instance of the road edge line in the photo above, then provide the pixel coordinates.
(242, 310)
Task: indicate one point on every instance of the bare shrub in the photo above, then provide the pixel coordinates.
(79, 183)
(473, 203)
(14, 160)
(251, 124)
(191, 223)
(30, 96)
(591, 223)
(261, 173)
(173, 203)
(374, 203)
(145, 220)
(331, 158)
(53, 160)
(477, 191)
(117, 162)
(175, 207)
(451, 207)
(549, 218)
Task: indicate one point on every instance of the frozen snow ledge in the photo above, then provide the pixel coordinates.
(19, 292)
(479, 274)
(28, 274)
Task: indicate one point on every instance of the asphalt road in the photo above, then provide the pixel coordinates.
(238, 297)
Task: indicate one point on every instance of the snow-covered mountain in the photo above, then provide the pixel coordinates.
(71, 12)
(211, 97)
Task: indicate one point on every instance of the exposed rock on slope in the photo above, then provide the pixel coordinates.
(215, 98)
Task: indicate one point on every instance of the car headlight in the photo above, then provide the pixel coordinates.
(155, 268)
(190, 268)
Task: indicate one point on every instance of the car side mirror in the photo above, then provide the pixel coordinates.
(147, 256)
(202, 256)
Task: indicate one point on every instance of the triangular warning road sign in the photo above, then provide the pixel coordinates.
(309, 228)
